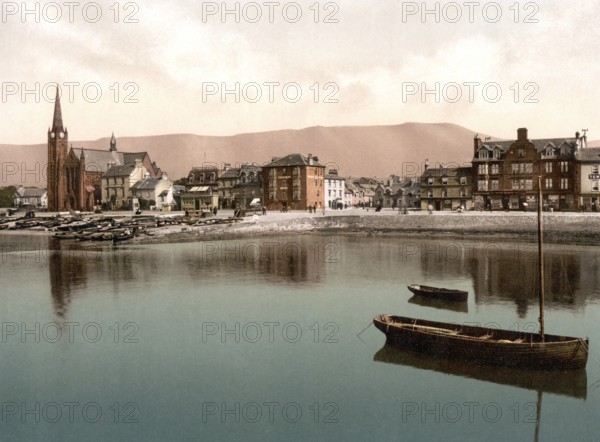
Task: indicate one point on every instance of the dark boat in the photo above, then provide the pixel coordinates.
(482, 345)
(439, 293)
(572, 383)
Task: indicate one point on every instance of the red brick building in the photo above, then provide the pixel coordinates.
(294, 182)
(506, 173)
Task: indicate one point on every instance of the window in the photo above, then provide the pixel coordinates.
(548, 167)
(595, 168)
(430, 181)
(444, 193)
(444, 181)
(521, 153)
(463, 193)
(515, 184)
(528, 167)
(484, 154)
(483, 169)
(463, 180)
(494, 185)
(482, 186)
(430, 194)
(595, 185)
(514, 168)
(564, 166)
(564, 183)
(497, 153)
(495, 169)
(548, 181)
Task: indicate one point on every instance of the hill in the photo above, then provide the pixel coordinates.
(353, 150)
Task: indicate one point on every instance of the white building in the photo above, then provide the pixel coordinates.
(153, 192)
(335, 191)
(31, 197)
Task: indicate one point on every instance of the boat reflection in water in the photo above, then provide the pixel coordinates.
(461, 307)
(571, 383)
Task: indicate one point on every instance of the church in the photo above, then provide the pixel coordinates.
(75, 174)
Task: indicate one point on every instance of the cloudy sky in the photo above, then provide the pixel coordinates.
(145, 68)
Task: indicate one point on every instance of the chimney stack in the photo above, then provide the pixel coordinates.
(310, 159)
(476, 144)
(522, 134)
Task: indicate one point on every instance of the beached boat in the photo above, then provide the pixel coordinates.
(438, 293)
(481, 345)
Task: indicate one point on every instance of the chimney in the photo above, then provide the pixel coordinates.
(476, 146)
(584, 138)
(522, 134)
(310, 159)
(316, 159)
(427, 164)
(164, 176)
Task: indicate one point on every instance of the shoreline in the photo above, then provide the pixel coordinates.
(560, 228)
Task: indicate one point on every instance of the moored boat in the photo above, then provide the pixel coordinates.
(439, 292)
(482, 345)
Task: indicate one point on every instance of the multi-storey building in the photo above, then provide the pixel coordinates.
(447, 188)
(588, 178)
(294, 182)
(118, 181)
(506, 172)
(201, 189)
(335, 190)
(240, 186)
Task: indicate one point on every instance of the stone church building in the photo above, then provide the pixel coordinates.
(75, 174)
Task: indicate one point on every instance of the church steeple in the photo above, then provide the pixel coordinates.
(57, 123)
(113, 143)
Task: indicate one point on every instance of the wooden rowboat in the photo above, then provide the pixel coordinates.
(482, 345)
(438, 293)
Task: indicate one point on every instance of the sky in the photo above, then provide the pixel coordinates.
(223, 68)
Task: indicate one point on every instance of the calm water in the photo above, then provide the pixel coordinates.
(271, 339)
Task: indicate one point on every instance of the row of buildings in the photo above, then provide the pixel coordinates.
(503, 175)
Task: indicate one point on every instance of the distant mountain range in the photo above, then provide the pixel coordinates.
(376, 151)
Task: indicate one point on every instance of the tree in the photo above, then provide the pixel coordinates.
(7, 196)
(181, 181)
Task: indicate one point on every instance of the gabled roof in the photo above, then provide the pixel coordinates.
(447, 172)
(146, 184)
(294, 159)
(114, 171)
(98, 160)
(588, 155)
(539, 145)
(31, 193)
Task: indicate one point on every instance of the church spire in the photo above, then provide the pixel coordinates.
(113, 143)
(57, 123)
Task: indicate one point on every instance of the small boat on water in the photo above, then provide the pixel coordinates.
(482, 345)
(439, 293)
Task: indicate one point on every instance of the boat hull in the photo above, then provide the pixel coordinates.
(481, 345)
(438, 293)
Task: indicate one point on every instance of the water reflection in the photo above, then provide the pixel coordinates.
(496, 273)
(571, 383)
(510, 274)
(439, 304)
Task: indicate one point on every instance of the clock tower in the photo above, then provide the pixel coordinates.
(57, 153)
